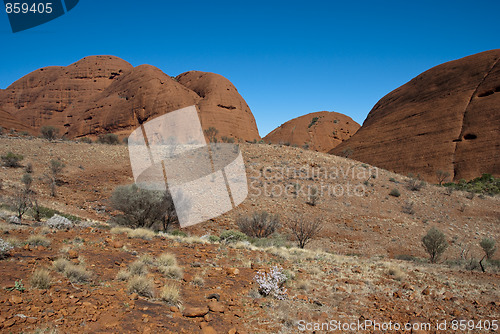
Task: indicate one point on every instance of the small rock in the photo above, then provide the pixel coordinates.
(16, 299)
(426, 291)
(215, 306)
(208, 330)
(134, 296)
(117, 244)
(193, 312)
(232, 331)
(174, 309)
(232, 271)
(72, 254)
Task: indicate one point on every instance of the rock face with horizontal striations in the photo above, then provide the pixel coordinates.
(320, 131)
(447, 118)
(105, 94)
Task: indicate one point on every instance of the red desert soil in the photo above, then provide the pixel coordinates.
(347, 274)
(103, 94)
(319, 131)
(446, 119)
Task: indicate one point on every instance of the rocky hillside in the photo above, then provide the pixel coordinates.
(444, 119)
(101, 94)
(319, 131)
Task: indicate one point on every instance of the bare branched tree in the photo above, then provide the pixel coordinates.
(304, 230)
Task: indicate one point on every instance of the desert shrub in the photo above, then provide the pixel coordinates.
(442, 176)
(313, 196)
(414, 183)
(198, 281)
(146, 259)
(85, 140)
(11, 159)
(434, 243)
(485, 184)
(38, 240)
(141, 233)
(303, 285)
(77, 273)
(138, 268)
(347, 152)
(232, 236)
(171, 295)
(5, 248)
(259, 224)
(488, 246)
(173, 272)
(408, 208)
(143, 208)
(49, 132)
(52, 178)
(213, 238)
(304, 230)
(123, 275)
(59, 222)
(40, 279)
(228, 140)
(60, 265)
(21, 202)
(271, 284)
(395, 192)
(166, 259)
(143, 286)
(313, 121)
(1, 130)
(178, 233)
(109, 139)
(396, 273)
(29, 168)
(211, 134)
(275, 240)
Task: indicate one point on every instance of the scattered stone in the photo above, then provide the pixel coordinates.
(215, 306)
(72, 254)
(193, 312)
(214, 296)
(208, 330)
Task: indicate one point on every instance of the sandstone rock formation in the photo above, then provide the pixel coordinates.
(320, 131)
(447, 118)
(102, 94)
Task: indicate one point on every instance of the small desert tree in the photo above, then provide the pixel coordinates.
(259, 225)
(53, 176)
(305, 230)
(489, 248)
(49, 132)
(313, 197)
(21, 202)
(434, 243)
(211, 133)
(442, 176)
(143, 208)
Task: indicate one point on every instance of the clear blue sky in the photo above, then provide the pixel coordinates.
(286, 58)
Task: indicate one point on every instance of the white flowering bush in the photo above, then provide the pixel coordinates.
(59, 222)
(271, 284)
(5, 247)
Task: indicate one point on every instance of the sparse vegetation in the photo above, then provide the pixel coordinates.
(138, 268)
(304, 230)
(485, 184)
(166, 260)
(60, 265)
(143, 286)
(232, 236)
(52, 178)
(434, 243)
(408, 208)
(141, 233)
(173, 271)
(143, 208)
(11, 160)
(198, 281)
(414, 183)
(211, 134)
(109, 139)
(259, 225)
(38, 240)
(489, 248)
(49, 132)
(442, 176)
(395, 192)
(313, 196)
(5, 248)
(313, 121)
(41, 279)
(171, 295)
(77, 273)
(347, 152)
(272, 283)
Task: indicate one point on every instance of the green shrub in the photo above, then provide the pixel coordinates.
(488, 246)
(313, 121)
(178, 233)
(11, 159)
(86, 140)
(395, 192)
(434, 243)
(485, 184)
(232, 236)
